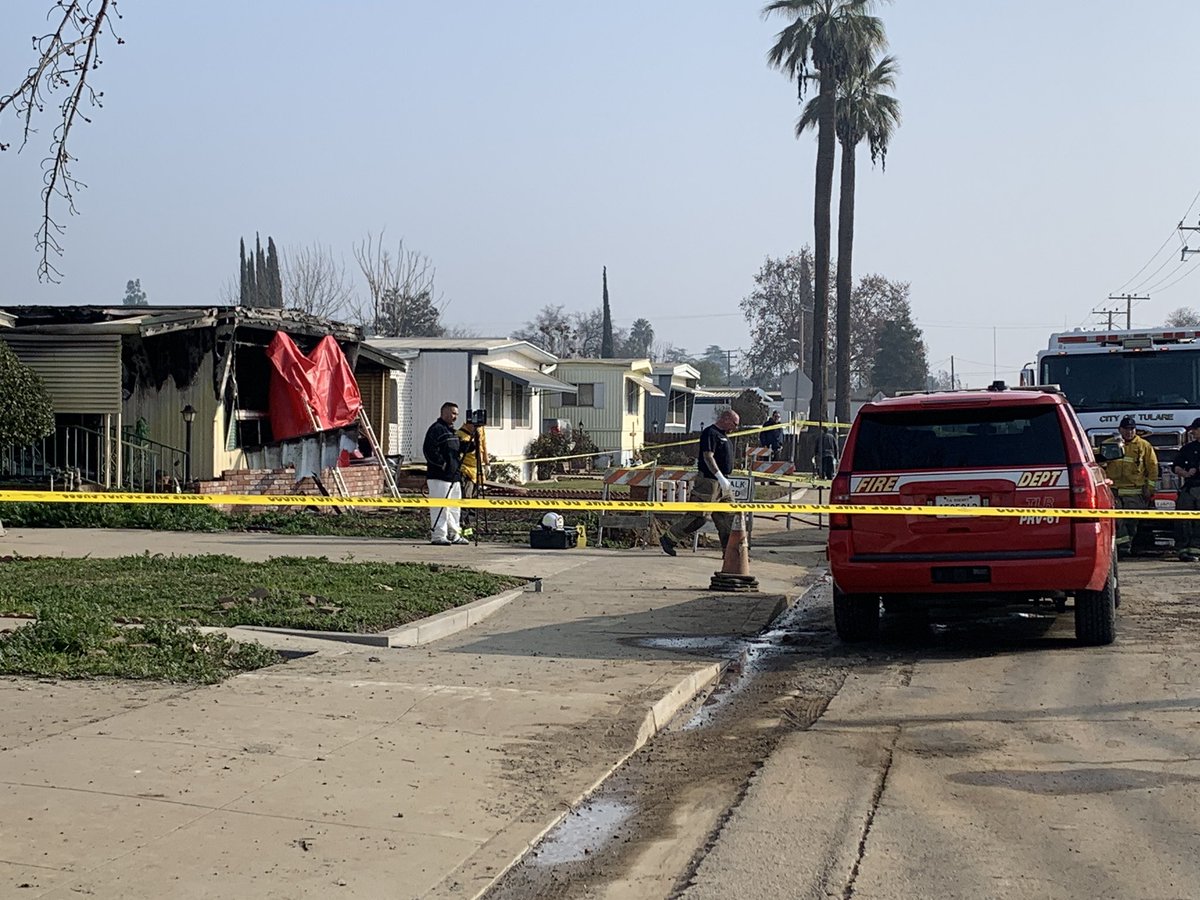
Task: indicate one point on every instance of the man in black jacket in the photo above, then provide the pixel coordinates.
(443, 460)
(1187, 467)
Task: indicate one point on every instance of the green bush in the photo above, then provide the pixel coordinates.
(559, 443)
(26, 414)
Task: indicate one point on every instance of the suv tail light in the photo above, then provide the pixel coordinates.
(840, 493)
(1083, 488)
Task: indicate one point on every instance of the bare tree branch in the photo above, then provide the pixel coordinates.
(66, 57)
(403, 300)
(317, 283)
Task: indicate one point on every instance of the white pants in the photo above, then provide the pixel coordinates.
(444, 519)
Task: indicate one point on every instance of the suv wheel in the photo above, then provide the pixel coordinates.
(1096, 612)
(855, 616)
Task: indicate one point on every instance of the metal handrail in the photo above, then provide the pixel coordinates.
(75, 454)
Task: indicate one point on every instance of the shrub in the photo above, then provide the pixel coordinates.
(26, 414)
(559, 443)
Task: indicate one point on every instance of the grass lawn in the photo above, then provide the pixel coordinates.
(293, 592)
(82, 604)
(73, 639)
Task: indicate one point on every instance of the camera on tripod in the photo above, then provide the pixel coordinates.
(476, 417)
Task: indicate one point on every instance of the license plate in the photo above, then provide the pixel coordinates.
(957, 500)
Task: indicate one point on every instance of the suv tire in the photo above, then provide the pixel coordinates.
(1096, 612)
(855, 616)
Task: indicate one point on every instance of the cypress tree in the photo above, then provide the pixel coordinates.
(606, 338)
(274, 280)
(261, 296)
(244, 295)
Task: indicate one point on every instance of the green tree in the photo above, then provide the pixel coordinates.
(864, 111)
(400, 315)
(606, 338)
(134, 295)
(641, 339)
(260, 282)
(711, 374)
(550, 329)
(274, 279)
(900, 363)
(820, 43)
(874, 301)
(779, 313)
(26, 413)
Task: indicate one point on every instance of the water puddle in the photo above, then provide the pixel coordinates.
(583, 832)
(720, 643)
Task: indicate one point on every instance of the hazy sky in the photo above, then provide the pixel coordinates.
(1048, 148)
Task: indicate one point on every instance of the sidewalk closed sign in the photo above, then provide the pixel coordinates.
(743, 488)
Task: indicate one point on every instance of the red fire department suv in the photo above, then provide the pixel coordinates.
(995, 447)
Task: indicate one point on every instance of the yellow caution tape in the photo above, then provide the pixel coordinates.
(1040, 513)
(650, 447)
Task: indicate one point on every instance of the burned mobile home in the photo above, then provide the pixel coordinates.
(151, 398)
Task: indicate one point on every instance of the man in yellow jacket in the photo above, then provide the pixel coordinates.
(474, 467)
(1133, 476)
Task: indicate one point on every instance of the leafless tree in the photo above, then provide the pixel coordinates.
(1184, 317)
(317, 283)
(403, 300)
(66, 57)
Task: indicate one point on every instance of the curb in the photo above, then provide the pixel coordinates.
(655, 720)
(423, 631)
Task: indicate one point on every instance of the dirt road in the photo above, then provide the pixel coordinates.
(991, 759)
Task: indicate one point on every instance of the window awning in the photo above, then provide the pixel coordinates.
(526, 375)
(651, 388)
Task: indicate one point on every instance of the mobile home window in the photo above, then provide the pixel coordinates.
(677, 410)
(632, 388)
(521, 403)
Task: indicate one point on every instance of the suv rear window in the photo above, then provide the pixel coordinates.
(971, 438)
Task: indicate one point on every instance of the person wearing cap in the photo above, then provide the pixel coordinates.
(1187, 467)
(1134, 473)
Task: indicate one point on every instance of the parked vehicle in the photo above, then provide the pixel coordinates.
(1150, 374)
(989, 448)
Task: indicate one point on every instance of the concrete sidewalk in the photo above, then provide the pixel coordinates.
(410, 772)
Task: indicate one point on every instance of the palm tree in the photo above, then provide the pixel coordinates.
(820, 43)
(862, 111)
(641, 337)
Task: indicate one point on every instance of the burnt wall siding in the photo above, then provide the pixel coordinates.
(82, 373)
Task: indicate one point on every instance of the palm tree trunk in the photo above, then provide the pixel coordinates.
(845, 281)
(823, 200)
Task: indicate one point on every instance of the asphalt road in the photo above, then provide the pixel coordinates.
(986, 760)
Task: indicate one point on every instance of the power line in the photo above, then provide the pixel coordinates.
(1173, 233)
(1167, 287)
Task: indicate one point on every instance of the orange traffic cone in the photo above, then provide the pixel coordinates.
(735, 569)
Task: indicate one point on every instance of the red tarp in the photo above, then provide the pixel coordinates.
(321, 382)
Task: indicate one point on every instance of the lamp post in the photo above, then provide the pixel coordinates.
(189, 416)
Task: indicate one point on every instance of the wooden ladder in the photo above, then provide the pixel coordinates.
(377, 452)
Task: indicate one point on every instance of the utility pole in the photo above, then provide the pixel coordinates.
(729, 366)
(1105, 312)
(1128, 298)
(1184, 251)
(953, 386)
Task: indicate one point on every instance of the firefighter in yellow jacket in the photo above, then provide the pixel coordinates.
(1133, 475)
